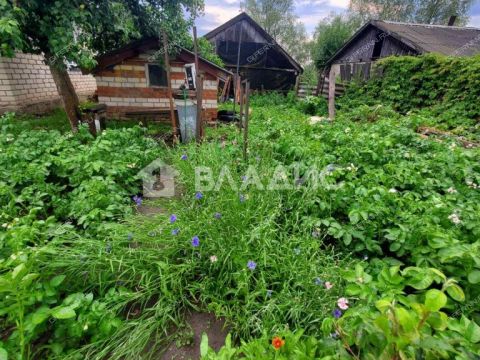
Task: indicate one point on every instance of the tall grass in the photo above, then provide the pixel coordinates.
(158, 275)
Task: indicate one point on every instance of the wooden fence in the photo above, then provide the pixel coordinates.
(348, 72)
(306, 89)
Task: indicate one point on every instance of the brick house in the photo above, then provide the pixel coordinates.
(130, 80)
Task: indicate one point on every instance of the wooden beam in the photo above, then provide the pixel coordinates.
(199, 85)
(245, 130)
(240, 123)
(331, 94)
(264, 68)
(169, 86)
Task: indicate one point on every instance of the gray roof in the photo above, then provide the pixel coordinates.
(447, 40)
(424, 38)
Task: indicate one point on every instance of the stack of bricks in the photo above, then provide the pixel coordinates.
(26, 84)
(124, 88)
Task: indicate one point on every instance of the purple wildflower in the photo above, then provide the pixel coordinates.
(195, 241)
(337, 313)
(130, 236)
(184, 157)
(175, 231)
(242, 198)
(138, 200)
(251, 265)
(198, 195)
(218, 215)
(173, 218)
(318, 281)
(334, 335)
(244, 178)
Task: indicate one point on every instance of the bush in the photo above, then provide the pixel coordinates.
(445, 89)
(314, 105)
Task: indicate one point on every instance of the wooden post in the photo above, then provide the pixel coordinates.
(199, 84)
(199, 132)
(238, 85)
(237, 78)
(224, 90)
(331, 94)
(319, 87)
(247, 110)
(242, 95)
(297, 84)
(169, 86)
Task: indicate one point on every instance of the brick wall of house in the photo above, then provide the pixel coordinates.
(26, 84)
(124, 88)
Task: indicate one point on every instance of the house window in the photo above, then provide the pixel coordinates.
(157, 76)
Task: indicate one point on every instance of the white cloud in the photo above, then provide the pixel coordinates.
(310, 12)
(475, 21)
(311, 20)
(341, 4)
(220, 14)
(215, 15)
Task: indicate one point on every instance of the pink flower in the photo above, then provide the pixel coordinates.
(328, 285)
(342, 303)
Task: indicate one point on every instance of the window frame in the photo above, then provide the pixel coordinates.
(147, 75)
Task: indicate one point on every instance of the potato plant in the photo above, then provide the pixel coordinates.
(370, 251)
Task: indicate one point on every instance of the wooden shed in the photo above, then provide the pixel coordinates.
(131, 80)
(260, 58)
(379, 39)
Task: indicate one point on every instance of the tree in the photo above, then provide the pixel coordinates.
(76, 31)
(330, 35)
(277, 17)
(418, 11)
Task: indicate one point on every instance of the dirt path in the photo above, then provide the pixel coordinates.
(187, 345)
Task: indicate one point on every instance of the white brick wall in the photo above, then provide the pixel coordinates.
(26, 81)
(147, 102)
(121, 81)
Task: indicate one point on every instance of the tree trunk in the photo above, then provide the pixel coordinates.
(67, 93)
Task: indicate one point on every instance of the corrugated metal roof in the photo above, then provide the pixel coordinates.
(447, 40)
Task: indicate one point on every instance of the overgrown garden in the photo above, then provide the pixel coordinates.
(374, 255)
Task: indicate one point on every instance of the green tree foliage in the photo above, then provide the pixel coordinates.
(330, 34)
(427, 12)
(205, 50)
(76, 31)
(279, 20)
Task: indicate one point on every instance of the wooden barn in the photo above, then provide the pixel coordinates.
(131, 82)
(379, 39)
(260, 58)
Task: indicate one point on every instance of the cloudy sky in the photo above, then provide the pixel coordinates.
(310, 12)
